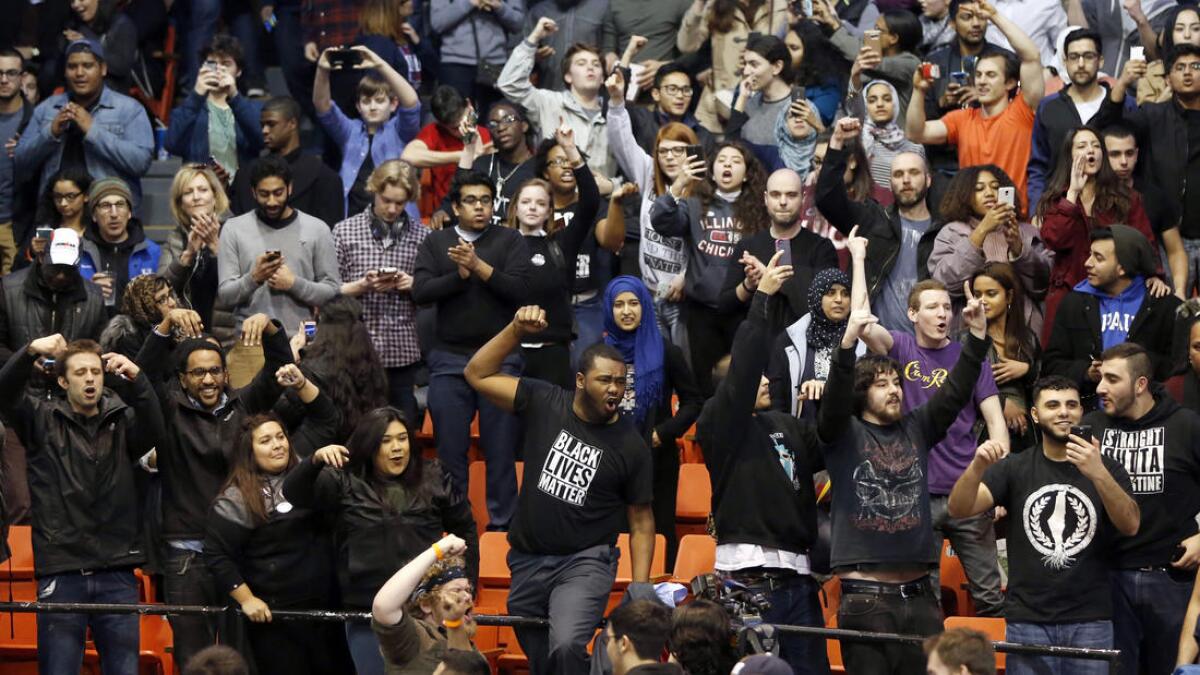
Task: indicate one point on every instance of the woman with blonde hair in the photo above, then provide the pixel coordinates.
(189, 258)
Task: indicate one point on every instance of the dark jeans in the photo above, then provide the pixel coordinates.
(710, 336)
(666, 489)
(61, 636)
(401, 383)
(794, 603)
(187, 581)
(917, 614)
(288, 37)
(453, 404)
(364, 648)
(570, 590)
(462, 78)
(1148, 609)
(1087, 634)
(974, 541)
(196, 23)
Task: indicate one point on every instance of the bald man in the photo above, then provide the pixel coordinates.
(806, 252)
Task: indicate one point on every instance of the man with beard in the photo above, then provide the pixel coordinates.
(276, 260)
(1072, 505)
(18, 195)
(586, 473)
(807, 254)
(901, 236)
(1158, 444)
(1075, 106)
(476, 274)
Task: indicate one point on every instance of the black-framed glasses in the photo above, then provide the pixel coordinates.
(67, 197)
(10, 74)
(200, 373)
(472, 200)
(677, 90)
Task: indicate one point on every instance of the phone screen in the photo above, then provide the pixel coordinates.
(784, 246)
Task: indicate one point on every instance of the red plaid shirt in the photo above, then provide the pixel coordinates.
(391, 317)
(330, 23)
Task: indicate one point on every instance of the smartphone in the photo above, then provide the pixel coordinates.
(48, 362)
(968, 64)
(799, 94)
(211, 65)
(45, 233)
(1007, 195)
(344, 58)
(310, 329)
(389, 271)
(274, 254)
(931, 71)
(1137, 53)
(1083, 431)
(269, 23)
(873, 39)
(695, 151)
(784, 246)
(960, 77)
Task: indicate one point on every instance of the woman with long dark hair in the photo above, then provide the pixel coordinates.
(764, 92)
(389, 504)
(1014, 354)
(818, 67)
(63, 204)
(1082, 194)
(268, 553)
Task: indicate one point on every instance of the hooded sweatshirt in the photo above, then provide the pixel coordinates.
(1116, 312)
(1161, 452)
(710, 235)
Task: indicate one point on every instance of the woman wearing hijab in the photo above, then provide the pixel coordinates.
(656, 369)
(882, 136)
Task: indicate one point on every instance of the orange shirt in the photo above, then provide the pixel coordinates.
(1004, 140)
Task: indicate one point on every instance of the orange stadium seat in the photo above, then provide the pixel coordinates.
(697, 555)
(693, 500)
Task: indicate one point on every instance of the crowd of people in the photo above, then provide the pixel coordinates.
(914, 273)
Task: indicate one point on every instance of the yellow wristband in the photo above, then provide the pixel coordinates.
(437, 551)
(457, 623)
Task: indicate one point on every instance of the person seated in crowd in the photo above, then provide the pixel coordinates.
(88, 127)
(188, 258)
(807, 254)
(960, 651)
(1084, 194)
(215, 123)
(701, 639)
(672, 95)
(796, 134)
(1154, 569)
(894, 60)
(900, 235)
(87, 534)
(389, 116)
(508, 167)
(475, 274)
(818, 67)
(421, 616)
(661, 374)
(439, 145)
(725, 205)
(105, 23)
(316, 189)
(882, 136)
(1064, 473)
(63, 204)
(980, 228)
(1112, 305)
(276, 259)
(146, 301)
(388, 502)
(580, 105)
(253, 534)
(563, 553)
(637, 635)
(765, 89)
(115, 249)
(376, 254)
(1008, 89)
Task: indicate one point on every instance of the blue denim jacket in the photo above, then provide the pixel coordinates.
(351, 137)
(120, 142)
(187, 136)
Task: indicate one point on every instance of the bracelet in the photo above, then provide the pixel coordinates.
(457, 623)
(437, 551)
(745, 287)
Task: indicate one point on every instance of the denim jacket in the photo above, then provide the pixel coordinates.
(351, 137)
(187, 136)
(120, 142)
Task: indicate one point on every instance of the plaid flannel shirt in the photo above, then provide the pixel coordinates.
(390, 317)
(330, 23)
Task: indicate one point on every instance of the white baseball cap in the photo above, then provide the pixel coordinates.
(64, 247)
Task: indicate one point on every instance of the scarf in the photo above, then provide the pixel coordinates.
(643, 347)
(823, 333)
(889, 135)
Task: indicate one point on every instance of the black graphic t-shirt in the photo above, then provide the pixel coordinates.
(579, 477)
(1059, 538)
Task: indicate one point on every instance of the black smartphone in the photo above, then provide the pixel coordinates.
(784, 246)
(1083, 431)
(694, 151)
(344, 57)
(799, 94)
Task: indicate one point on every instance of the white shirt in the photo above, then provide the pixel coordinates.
(732, 557)
(1041, 20)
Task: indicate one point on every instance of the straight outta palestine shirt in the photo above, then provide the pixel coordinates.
(579, 477)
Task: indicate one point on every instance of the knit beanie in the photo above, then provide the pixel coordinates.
(106, 187)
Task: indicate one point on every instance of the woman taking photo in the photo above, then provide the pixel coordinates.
(980, 229)
(656, 370)
(189, 257)
(726, 204)
(1015, 348)
(882, 136)
(818, 67)
(63, 205)
(1082, 194)
(388, 503)
(269, 554)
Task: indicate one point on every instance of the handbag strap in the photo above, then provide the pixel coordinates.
(475, 37)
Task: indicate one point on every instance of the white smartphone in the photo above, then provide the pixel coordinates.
(1007, 195)
(1137, 53)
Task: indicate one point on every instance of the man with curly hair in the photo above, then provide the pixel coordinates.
(1067, 505)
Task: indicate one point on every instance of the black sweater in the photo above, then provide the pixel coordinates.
(811, 253)
(753, 500)
(471, 311)
(678, 379)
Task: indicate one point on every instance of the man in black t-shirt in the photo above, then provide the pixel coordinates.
(585, 470)
(1067, 505)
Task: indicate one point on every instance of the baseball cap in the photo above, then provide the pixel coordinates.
(84, 45)
(64, 247)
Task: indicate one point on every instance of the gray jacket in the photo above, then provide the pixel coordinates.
(453, 19)
(578, 21)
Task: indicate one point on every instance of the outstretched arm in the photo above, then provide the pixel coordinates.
(970, 496)
(388, 607)
(876, 337)
(1033, 82)
(483, 370)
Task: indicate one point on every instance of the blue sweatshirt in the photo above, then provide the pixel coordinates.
(1116, 312)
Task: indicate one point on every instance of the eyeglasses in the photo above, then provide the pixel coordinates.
(10, 74)
(676, 90)
(1181, 67)
(677, 151)
(472, 200)
(68, 197)
(1082, 56)
(200, 373)
(560, 162)
(506, 121)
(113, 206)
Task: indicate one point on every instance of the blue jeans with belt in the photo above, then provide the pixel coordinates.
(793, 603)
(1148, 609)
(61, 636)
(1085, 634)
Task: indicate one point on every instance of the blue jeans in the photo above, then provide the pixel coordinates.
(61, 636)
(1192, 248)
(364, 648)
(453, 403)
(187, 581)
(794, 603)
(1088, 635)
(288, 36)
(1148, 609)
(589, 327)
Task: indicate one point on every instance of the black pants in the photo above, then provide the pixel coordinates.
(917, 614)
(666, 485)
(287, 647)
(187, 581)
(401, 381)
(550, 363)
(710, 336)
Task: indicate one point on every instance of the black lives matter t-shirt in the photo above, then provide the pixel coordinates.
(1060, 538)
(579, 477)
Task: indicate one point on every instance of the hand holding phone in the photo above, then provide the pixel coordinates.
(1083, 431)
(1007, 195)
(784, 246)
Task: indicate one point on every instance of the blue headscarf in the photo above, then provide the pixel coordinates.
(643, 347)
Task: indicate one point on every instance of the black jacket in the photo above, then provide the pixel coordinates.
(86, 514)
(30, 309)
(1075, 339)
(880, 226)
(1162, 137)
(316, 189)
(1056, 117)
(373, 539)
(753, 500)
(646, 122)
(811, 253)
(672, 424)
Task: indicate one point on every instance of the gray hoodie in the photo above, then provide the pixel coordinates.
(453, 20)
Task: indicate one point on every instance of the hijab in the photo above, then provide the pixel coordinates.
(823, 333)
(642, 347)
(889, 135)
